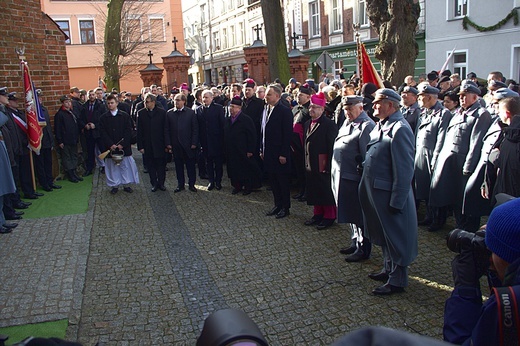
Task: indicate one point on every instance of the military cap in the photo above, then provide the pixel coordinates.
(12, 96)
(174, 91)
(468, 86)
(471, 75)
(495, 85)
(410, 89)
(305, 89)
(425, 88)
(351, 100)
(82, 92)
(38, 92)
(3, 91)
(292, 80)
(502, 93)
(387, 94)
(64, 98)
(443, 79)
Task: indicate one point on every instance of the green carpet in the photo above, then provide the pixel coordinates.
(55, 329)
(70, 199)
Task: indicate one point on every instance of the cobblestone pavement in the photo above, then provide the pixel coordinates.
(148, 268)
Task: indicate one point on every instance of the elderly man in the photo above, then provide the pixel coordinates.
(260, 92)
(411, 110)
(210, 117)
(349, 151)
(91, 112)
(276, 150)
(460, 154)
(430, 134)
(150, 140)
(385, 193)
(320, 133)
(182, 137)
(300, 117)
(66, 130)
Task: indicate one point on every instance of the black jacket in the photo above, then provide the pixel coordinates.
(150, 131)
(114, 128)
(94, 117)
(66, 127)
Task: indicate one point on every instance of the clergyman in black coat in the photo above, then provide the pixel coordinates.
(91, 112)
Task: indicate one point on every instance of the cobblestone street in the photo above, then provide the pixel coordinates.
(147, 269)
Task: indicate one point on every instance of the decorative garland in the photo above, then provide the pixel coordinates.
(513, 14)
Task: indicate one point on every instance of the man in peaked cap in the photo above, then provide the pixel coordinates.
(385, 193)
(410, 109)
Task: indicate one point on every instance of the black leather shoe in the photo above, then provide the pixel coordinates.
(218, 186)
(54, 186)
(73, 180)
(283, 213)
(79, 178)
(357, 256)
(33, 196)
(162, 188)
(39, 194)
(192, 188)
(273, 211)
(4, 230)
(144, 170)
(434, 227)
(114, 190)
(19, 213)
(425, 222)
(47, 188)
(154, 188)
(11, 225)
(178, 189)
(316, 219)
(128, 189)
(20, 206)
(246, 192)
(325, 223)
(298, 195)
(387, 289)
(235, 191)
(348, 250)
(379, 276)
(87, 173)
(211, 186)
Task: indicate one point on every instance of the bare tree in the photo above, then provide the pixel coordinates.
(129, 34)
(396, 22)
(275, 37)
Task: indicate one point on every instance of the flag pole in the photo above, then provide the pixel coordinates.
(356, 27)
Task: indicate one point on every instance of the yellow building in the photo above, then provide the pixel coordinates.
(146, 26)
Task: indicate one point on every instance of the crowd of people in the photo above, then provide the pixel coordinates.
(359, 154)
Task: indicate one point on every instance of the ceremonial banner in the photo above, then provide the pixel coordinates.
(102, 84)
(368, 73)
(32, 111)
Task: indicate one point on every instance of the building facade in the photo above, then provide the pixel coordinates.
(497, 49)
(147, 26)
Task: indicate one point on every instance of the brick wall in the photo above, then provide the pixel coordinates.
(22, 23)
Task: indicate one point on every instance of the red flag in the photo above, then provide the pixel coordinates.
(34, 131)
(367, 70)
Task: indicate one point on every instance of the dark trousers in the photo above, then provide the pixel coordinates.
(465, 222)
(156, 169)
(90, 163)
(7, 206)
(69, 157)
(43, 166)
(25, 176)
(180, 161)
(281, 187)
(214, 168)
(299, 167)
(201, 163)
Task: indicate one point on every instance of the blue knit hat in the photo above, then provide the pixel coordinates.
(503, 231)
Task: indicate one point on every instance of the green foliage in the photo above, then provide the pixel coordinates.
(468, 22)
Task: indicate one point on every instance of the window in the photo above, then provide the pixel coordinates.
(224, 39)
(232, 37)
(460, 63)
(240, 3)
(461, 8)
(202, 13)
(65, 27)
(314, 22)
(336, 20)
(338, 68)
(240, 37)
(362, 13)
(216, 41)
(156, 27)
(86, 31)
(133, 31)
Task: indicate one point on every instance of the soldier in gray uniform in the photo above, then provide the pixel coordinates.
(349, 151)
(430, 134)
(460, 153)
(411, 110)
(385, 193)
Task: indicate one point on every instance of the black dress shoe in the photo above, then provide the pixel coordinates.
(102, 170)
(162, 188)
(218, 186)
(20, 206)
(73, 180)
(47, 188)
(211, 186)
(283, 213)
(19, 213)
(26, 203)
(79, 178)
(273, 211)
(235, 191)
(192, 188)
(178, 189)
(154, 188)
(39, 194)
(54, 186)
(11, 225)
(4, 230)
(144, 170)
(246, 192)
(348, 250)
(425, 222)
(128, 189)
(357, 256)
(87, 173)
(33, 196)
(379, 276)
(13, 217)
(325, 223)
(434, 227)
(298, 195)
(114, 190)
(316, 219)
(387, 289)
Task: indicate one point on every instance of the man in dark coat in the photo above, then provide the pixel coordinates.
(91, 112)
(150, 141)
(241, 143)
(182, 137)
(320, 133)
(254, 108)
(300, 117)
(349, 152)
(431, 129)
(276, 150)
(66, 130)
(210, 117)
(460, 154)
(385, 193)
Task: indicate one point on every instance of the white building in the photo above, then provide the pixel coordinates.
(475, 51)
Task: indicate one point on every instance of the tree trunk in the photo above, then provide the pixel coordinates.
(275, 36)
(395, 21)
(113, 43)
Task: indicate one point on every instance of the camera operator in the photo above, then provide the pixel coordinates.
(496, 322)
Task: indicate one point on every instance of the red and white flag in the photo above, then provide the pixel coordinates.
(102, 84)
(32, 111)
